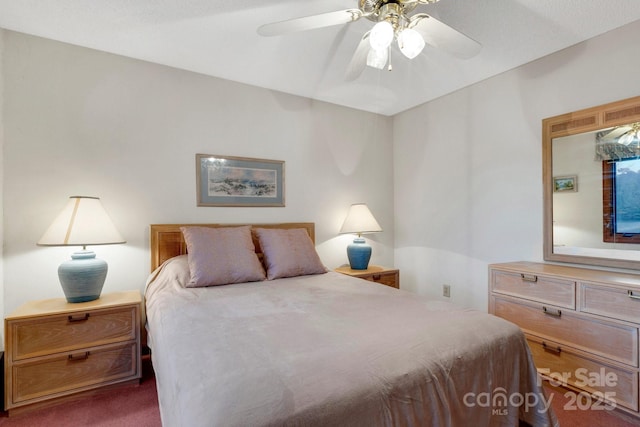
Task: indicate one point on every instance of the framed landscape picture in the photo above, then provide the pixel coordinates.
(565, 183)
(239, 181)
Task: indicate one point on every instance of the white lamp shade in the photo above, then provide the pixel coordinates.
(82, 222)
(410, 43)
(360, 220)
(381, 35)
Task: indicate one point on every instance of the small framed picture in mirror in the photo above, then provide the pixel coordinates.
(567, 183)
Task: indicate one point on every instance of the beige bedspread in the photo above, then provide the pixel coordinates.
(332, 350)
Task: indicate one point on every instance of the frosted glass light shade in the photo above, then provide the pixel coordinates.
(381, 35)
(410, 43)
(631, 137)
(377, 58)
(82, 222)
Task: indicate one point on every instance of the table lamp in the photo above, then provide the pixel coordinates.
(359, 221)
(82, 222)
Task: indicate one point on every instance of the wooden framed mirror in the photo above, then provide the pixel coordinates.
(591, 212)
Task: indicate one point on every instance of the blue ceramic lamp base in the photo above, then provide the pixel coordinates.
(82, 277)
(359, 254)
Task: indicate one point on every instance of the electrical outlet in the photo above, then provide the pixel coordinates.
(446, 291)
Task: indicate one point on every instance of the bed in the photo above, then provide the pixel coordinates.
(319, 349)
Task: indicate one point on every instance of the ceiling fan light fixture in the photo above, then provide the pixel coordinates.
(377, 58)
(632, 136)
(381, 35)
(410, 43)
(391, 21)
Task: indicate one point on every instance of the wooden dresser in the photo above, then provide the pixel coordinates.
(382, 275)
(581, 325)
(55, 349)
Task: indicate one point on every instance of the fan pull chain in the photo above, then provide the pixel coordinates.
(390, 67)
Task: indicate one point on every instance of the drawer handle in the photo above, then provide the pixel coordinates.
(529, 278)
(551, 349)
(78, 319)
(550, 312)
(632, 295)
(76, 358)
(376, 277)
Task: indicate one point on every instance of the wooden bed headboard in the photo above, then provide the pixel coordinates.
(167, 240)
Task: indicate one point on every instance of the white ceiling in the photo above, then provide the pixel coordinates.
(218, 38)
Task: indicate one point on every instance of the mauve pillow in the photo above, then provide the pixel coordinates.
(220, 256)
(288, 253)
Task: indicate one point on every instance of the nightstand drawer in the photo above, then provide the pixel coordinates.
(73, 371)
(66, 332)
(615, 341)
(389, 279)
(570, 367)
(384, 276)
(536, 288)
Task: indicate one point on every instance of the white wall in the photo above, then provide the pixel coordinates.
(468, 166)
(573, 154)
(83, 122)
(1, 173)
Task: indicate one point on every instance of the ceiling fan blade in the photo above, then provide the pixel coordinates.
(420, 1)
(310, 22)
(359, 59)
(612, 135)
(440, 35)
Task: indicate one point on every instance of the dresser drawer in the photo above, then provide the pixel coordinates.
(543, 289)
(609, 301)
(70, 372)
(569, 367)
(612, 340)
(66, 332)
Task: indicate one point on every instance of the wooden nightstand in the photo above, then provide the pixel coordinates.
(382, 275)
(54, 349)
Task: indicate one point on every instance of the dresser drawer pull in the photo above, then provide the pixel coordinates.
(529, 278)
(551, 349)
(376, 277)
(551, 312)
(632, 295)
(76, 358)
(78, 319)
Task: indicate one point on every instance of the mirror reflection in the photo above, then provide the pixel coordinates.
(584, 222)
(591, 169)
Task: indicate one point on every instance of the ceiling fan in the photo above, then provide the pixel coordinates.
(392, 23)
